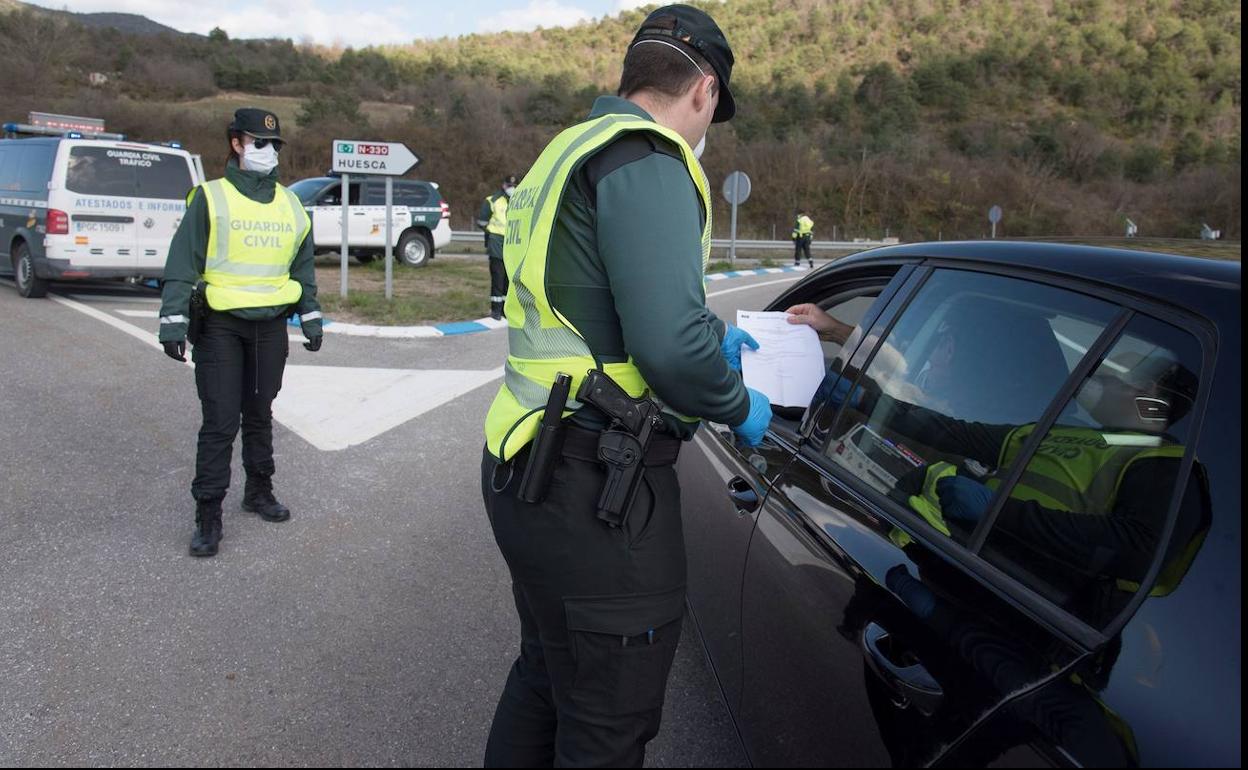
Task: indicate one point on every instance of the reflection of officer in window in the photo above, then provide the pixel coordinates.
(1090, 506)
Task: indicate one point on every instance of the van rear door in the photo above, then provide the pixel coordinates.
(124, 203)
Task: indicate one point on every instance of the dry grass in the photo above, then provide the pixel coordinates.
(443, 290)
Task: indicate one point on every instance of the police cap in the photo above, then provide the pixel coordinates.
(695, 29)
(261, 124)
(510, 180)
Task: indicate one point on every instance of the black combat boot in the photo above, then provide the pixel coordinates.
(208, 530)
(496, 311)
(259, 498)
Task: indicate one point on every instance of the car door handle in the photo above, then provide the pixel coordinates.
(743, 495)
(910, 683)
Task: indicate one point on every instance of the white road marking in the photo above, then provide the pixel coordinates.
(335, 407)
(140, 313)
(754, 286)
(115, 298)
(148, 337)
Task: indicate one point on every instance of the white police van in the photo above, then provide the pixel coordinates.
(73, 207)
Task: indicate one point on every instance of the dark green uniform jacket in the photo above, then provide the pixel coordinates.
(185, 266)
(626, 269)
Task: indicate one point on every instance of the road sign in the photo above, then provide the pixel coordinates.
(737, 187)
(380, 158)
(736, 191)
(994, 216)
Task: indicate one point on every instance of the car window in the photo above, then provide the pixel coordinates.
(1083, 523)
(847, 309)
(130, 173)
(405, 194)
(333, 195)
(306, 190)
(972, 357)
(34, 168)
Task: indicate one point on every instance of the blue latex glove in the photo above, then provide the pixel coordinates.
(963, 499)
(734, 338)
(751, 431)
(913, 594)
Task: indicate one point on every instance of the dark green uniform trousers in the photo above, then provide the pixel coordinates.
(600, 616)
(238, 372)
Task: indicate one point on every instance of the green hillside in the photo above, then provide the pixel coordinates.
(912, 116)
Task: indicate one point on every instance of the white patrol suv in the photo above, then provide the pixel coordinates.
(421, 219)
(89, 208)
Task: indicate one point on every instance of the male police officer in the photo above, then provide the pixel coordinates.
(493, 219)
(246, 238)
(607, 240)
(803, 232)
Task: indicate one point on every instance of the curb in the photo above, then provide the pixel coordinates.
(486, 324)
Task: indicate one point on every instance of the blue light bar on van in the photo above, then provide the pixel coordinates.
(73, 134)
(10, 128)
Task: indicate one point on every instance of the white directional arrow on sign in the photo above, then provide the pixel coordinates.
(335, 407)
(381, 158)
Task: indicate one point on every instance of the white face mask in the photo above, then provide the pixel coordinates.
(697, 151)
(508, 190)
(261, 160)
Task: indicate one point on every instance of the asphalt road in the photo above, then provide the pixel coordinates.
(374, 628)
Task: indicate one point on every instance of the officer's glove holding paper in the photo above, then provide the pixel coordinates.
(751, 431)
(734, 338)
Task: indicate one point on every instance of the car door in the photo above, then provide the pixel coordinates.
(327, 214)
(1148, 691)
(725, 484)
(872, 636)
(375, 205)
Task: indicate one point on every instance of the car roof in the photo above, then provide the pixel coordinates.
(1170, 277)
(338, 180)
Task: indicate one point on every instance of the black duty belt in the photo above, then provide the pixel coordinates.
(582, 444)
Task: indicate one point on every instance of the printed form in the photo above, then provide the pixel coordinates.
(788, 365)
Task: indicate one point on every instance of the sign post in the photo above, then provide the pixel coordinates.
(346, 219)
(388, 159)
(736, 191)
(994, 216)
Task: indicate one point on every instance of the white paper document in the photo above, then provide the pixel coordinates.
(788, 365)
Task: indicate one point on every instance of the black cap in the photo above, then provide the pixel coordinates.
(510, 179)
(687, 26)
(261, 124)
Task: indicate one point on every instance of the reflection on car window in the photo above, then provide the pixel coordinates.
(1083, 523)
(972, 358)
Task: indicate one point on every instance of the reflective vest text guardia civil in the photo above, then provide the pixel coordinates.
(542, 341)
(251, 246)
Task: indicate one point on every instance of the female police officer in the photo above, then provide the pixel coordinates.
(245, 237)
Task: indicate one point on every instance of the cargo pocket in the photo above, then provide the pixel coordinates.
(623, 647)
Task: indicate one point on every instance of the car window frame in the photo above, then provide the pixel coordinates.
(1056, 619)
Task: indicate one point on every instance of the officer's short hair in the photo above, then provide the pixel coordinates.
(662, 69)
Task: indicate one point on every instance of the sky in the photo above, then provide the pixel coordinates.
(359, 23)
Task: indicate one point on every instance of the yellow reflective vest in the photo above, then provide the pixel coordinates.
(498, 214)
(542, 341)
(251, 246)
(803, 228)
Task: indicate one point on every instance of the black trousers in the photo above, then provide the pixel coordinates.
(600, 616)
(498, 271)
(238, 372)
(801, 245)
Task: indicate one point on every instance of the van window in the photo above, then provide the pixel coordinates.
(34, 167)
(8, 169)
(128, 173)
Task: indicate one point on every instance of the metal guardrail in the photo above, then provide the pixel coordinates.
(474, 236)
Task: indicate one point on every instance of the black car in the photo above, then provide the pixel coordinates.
(1006, 530)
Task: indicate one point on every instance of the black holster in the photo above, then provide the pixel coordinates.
(198, 311)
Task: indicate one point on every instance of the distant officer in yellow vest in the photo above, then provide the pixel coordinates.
(803, 232)
(606, 245)
(492, 218)
(244, 242)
